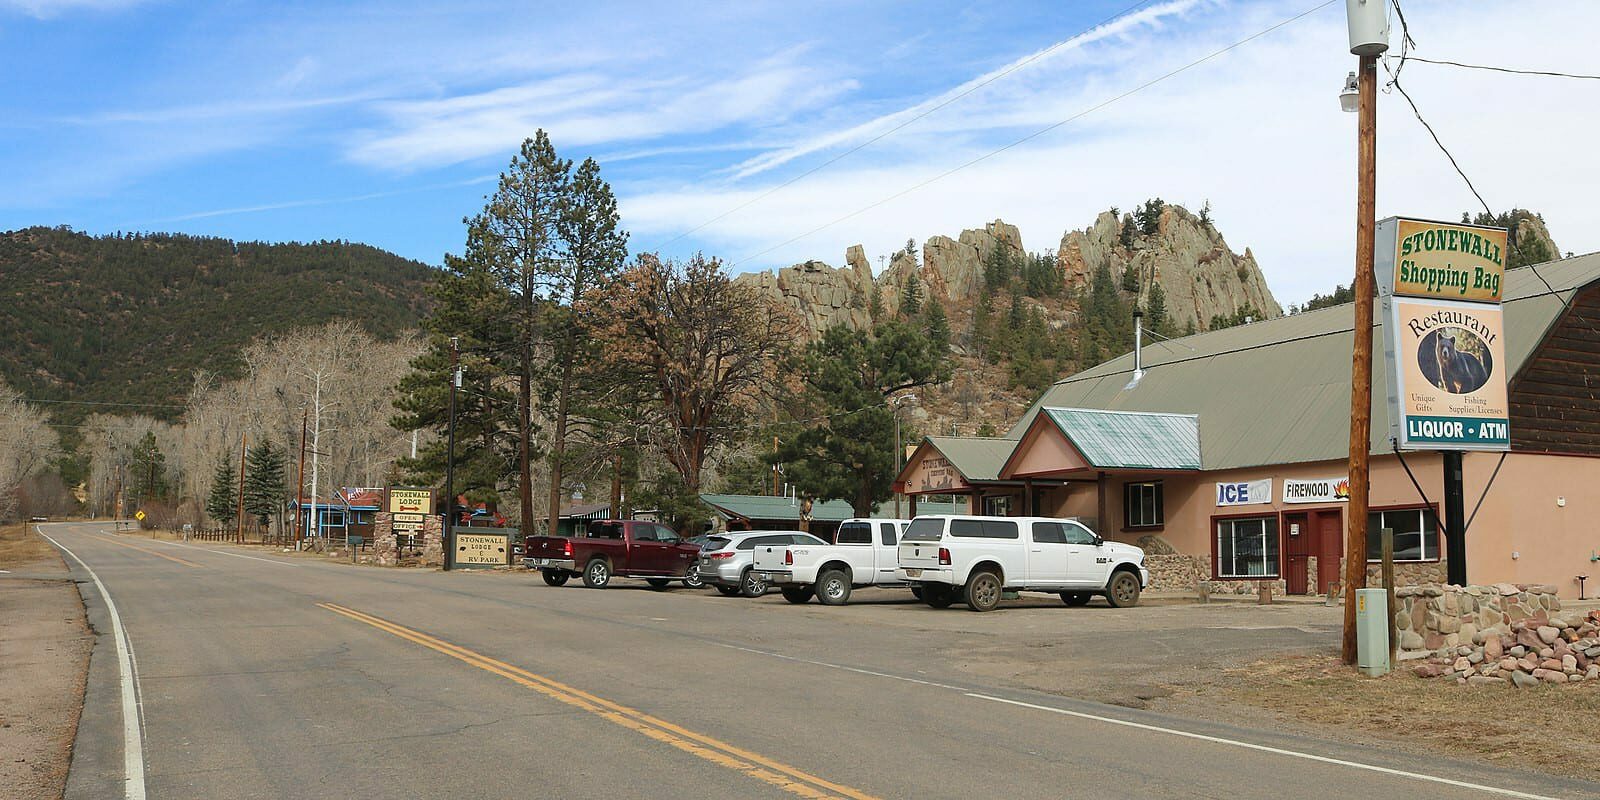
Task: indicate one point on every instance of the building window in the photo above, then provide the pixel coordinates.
(1143, 505)
(1416, 535)
(997, 506)
(1247, 547)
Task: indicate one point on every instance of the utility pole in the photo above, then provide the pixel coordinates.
(300, 487)
(1369, 38)
(775, 471)
(244, 441)
(449, 532)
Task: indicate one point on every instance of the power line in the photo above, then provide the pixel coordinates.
(1509, 70)
(1040, 132)
(1406, 44)
(948, 101)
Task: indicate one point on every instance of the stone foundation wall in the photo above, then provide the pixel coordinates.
(1434, 618)
(385, 549)
(433, 541)
(1176, 573)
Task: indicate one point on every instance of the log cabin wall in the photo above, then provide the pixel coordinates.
(1555, 399)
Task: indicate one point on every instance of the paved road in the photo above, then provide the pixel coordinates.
(264, 677)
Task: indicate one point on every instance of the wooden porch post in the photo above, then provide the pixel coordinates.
(1100, 500)
(1030, 499)
(912, 500)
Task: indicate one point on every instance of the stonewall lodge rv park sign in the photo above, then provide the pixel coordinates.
(1444, 342)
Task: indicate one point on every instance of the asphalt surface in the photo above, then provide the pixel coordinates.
(262, 676)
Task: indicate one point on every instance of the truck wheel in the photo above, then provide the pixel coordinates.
(938, 595)
(983, 591)
(555, 577)
(751, 585)
(833, 588)
(597, 575)
(658, 583)
(799, 595)
(1123, 590)
(727, 591)
(1076, 598)
(692, 580)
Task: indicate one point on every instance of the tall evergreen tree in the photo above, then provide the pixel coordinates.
(147, 472)
(1156, 312)
(222, 504)
(938, 325)
(594, 248)
(265, 487)
(875, 303)
(850, 375)
(910, 297)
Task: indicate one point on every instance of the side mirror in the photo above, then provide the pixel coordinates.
(1099, 541)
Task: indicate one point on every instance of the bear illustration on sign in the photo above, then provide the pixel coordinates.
(1455, 360)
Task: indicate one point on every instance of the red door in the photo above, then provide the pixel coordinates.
(1330, 535)
(1298, 549)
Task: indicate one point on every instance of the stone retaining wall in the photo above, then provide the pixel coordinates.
(1184, 573)
(1504, 634)
(1433, 618)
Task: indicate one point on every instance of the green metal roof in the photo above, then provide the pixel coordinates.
(762, 507)
(1130, 439)
(1278, 391)
(977, 458)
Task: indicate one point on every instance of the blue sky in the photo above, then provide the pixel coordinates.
(385, 123)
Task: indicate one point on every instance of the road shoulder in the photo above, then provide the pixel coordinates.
(44, 652)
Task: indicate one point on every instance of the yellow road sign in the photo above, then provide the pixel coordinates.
(139, 515)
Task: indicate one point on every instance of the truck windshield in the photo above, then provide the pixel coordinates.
(924, 530)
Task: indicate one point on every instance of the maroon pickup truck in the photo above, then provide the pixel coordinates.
(611, 548)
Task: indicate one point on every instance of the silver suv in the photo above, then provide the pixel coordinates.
(726, 559)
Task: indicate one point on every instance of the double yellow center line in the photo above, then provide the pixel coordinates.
(173, 559)
(717, 752)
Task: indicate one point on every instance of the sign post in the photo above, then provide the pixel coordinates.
(1444, 344)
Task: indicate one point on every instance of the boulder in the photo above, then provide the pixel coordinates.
(1523, 680)
(1548, 634)
(1493, 649)
(1484, 680)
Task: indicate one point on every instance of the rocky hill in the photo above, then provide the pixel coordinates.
(1001, 368)
(1200, 275)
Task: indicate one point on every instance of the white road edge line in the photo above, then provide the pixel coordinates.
(1265, 749)
(1154, 728)
(132, 714)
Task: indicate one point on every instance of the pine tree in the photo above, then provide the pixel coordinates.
(1128, 232)
(997, 269)
(910, 297)
(147, 472)
(938, 325)
(982, 333)
(222, 504)
(875, 304)
(264, 482)
(1156, 310)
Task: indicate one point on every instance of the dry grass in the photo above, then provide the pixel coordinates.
(1547, 728)
(20, 546)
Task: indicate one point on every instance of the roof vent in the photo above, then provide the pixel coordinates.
(1138, 350)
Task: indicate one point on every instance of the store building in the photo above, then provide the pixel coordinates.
(1231, 447)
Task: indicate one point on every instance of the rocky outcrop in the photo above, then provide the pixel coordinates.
(1200, 275)
(821, 295)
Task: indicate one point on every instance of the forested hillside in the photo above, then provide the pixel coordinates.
(130, 318)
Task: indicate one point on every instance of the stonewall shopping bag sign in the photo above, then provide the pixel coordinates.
(1444, 344)
(1447, 390)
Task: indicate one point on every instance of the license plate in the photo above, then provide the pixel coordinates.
(913, 573)
(766, 576)
(540, 562)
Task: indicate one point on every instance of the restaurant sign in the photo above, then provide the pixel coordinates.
(1447, 387)
(1319, 490)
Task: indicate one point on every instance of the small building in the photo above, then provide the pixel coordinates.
(762, 512)
(1230, 452)
(349, 512)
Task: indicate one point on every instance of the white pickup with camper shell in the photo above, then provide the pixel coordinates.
(977, 559)
(864, 553)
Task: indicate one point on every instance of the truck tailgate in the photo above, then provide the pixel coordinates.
(546, 547)
(771, 557)
(919, 554)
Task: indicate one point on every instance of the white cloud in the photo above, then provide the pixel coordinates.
(1257, 131)
(589, 108)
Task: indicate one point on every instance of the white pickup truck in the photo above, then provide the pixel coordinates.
(977, 559)
(863, 554)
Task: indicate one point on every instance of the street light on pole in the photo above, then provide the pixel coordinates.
(1369, 38)
(899, 449)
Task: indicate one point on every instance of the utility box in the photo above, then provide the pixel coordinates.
(1369, 26)
(1372, 631)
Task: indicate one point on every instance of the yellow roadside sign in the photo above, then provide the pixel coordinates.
(139, 515)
